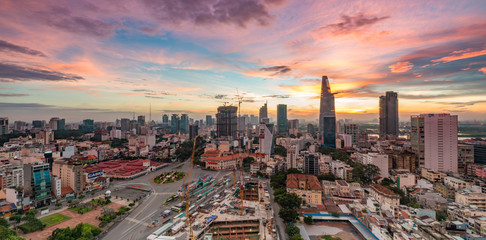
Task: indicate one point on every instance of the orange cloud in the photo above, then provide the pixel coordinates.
(400, 67)
(463, 55)
(483, 69)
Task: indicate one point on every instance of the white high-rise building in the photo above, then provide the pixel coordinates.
(377, 159)
(434, 140)
(292, 157)
(266, 140)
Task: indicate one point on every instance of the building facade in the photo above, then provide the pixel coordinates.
(327, 115)
(282, 121)
(389, 114)
(226, 121)
(305, 186)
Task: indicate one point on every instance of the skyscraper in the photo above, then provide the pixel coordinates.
(282, 122)
(165, 120)
(264, 114)
(3, 126)
(193, 131)
(40, 124)
(226, 121)
(389, 114)
(209, 120)
(353, 130)
(327, 115)
(175, 123)
(125, 124)
(61, 124)
(311, 164)
(434, 140)
(184, 126)
(53, 123)
(141, 120)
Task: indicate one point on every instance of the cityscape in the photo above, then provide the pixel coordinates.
(249, 120)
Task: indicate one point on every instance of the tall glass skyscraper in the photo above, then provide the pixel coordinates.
(389, 114)
(282, 119)
(327, 115)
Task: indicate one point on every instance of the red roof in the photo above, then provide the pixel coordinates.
(311, 181)
(66, 190)
(384, 191)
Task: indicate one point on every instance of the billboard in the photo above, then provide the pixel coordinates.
(95, 174)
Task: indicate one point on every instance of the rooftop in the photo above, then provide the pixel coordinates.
(384, 191)
(312, 182)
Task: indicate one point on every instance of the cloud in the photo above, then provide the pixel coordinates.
(210, 12)
(400, 67)
(462, 55)
(276, 70)
(10, 47)
(5, 105)
(276, 96)
(154, 97)
(220, 96)
(13, 95)
(349, 24)
(62, 18)
(483, 69)
(11, 72)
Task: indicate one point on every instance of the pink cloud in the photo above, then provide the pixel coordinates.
(483, 69)
(462, 55)
(401, 67)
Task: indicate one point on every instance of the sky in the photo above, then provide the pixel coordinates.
(109, 59)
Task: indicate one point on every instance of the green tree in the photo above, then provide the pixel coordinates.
(308, 219)
(328, 177)
(289, 200)
(247, 162)
(288, 215)
(296, 237)
(387, 182)
(335, 214)
(441, 215)
(414, 204)
(4, 222)
(341, 155)
(292, 230)
(280, 150)
(16, 218)
(365, 173)
(326, 150)
(9, 234)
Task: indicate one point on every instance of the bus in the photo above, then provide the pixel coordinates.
(179, 207)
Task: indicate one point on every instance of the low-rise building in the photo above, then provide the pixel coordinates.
(444, 190)
(342, 190)
(305, 186)
(465, 197)
(455, 183)
(431, 175)
(387, 198)
(223, 162)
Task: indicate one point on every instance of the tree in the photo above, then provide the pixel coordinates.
(308, 219)
(292, 230)
(296, 237)
(9, 234)
(328, 177)
(387, 182)
(288, 215)
(335, 214)
(247, 162)
(326, 150)
(341, 155)
(280, 150)
(16, 218)
(441, 215)
(107, 210)
(366, 173)
(414, 204)
(289, 200)
(4, 222)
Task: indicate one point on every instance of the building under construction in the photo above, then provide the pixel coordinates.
(235, 229)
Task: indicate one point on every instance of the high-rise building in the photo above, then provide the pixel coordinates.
(263, 116)
(311, 129)
(141, 120)
(311, 164)
(37, 183)
(282, 121)
(125, 124)
(71, 174)
(293, 126)
(389, 114)
(53, 123)
(253, 119)
(292, 157)
(40, 124)
(327, 115)
(434, 140)
(226, 121)
(265, 140)
(61, 124)
(353, 130)
(175, 123)
(184, 123)
(479, 151)
(88, 125)
(241, 125)
(209, 120)
(19, 126)
(465, 155)
(193, 131)
(165, 120)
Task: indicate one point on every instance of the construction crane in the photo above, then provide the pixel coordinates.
(242, 179)
(186, 195)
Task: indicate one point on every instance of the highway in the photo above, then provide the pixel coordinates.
(135, 225)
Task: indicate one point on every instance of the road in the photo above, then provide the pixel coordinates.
(276, 209)
(135, 226)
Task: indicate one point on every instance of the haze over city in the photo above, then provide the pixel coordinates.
(105, 60)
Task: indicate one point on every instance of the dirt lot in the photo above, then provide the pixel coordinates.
(76, 218)
(342, 230)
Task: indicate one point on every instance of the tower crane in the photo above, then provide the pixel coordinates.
(186, 194)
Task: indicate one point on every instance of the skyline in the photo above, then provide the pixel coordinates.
(79, 60)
